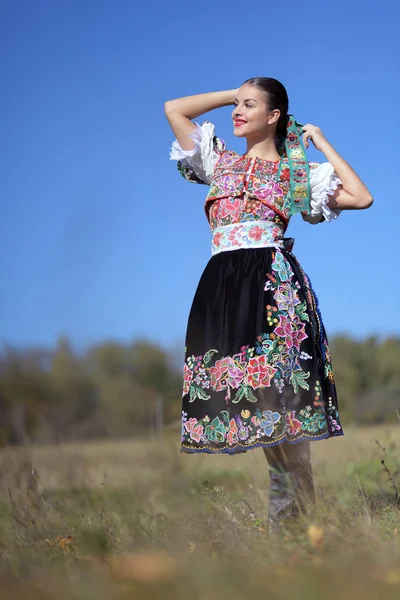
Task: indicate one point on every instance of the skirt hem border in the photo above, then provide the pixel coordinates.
(240, 448)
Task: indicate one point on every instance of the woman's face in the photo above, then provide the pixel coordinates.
(251, 117)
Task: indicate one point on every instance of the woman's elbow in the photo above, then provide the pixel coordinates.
(169, 106)
(365, 201)
(361, 200)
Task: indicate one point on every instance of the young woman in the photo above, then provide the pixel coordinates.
(258, 370)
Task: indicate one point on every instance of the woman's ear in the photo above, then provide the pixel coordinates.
(274, 116)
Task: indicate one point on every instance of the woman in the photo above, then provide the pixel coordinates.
(258, 370)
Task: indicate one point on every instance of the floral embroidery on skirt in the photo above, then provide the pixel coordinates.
(257, 369)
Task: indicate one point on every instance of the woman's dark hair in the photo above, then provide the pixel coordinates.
(276, 98)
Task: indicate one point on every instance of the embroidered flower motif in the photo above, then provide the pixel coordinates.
(217, 239)
(285, 175)
(291, 136)
(315, 422)
(271, 191)
(235, 373)
(293, 425)
(230, 208)
(286, 298)
(287, 363)
(259, 372)
(233, 232)
(232, 436)
(187, 379)
(297, 153)
(215, 432)
(194, 429)
(218, 375)
(226, 372)
(255, 420)
(256, 233)
(333, 424)
(268, 420)
(243, 433)
(229, 182)
(245, 414)
(292, 330)
(281, 266)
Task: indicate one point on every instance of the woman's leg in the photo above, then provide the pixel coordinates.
(291, 480)
(287, 453)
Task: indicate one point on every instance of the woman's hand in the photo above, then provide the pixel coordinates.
(313, 133)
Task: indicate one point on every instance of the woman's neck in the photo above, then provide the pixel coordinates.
(264, 149)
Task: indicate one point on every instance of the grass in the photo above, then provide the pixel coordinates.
(136, 519)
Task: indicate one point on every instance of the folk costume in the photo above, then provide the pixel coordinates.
(257, 368)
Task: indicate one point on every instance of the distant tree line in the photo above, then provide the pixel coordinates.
(117, 390)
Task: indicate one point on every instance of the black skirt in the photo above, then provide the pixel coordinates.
(257, 368)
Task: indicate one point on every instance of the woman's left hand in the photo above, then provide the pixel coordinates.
(313, 133)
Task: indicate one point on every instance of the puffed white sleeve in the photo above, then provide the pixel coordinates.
(323, 183)
(197, 165)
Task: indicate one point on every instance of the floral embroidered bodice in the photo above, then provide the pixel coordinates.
(244, 189)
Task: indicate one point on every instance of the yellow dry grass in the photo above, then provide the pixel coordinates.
(137, 519)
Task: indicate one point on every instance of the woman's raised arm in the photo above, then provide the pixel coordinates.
(353, 193)
(179, 112)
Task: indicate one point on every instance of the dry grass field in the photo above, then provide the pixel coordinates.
(136, 519)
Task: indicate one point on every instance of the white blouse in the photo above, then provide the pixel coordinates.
(203, 157)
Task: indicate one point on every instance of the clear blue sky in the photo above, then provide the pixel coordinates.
(99, 236)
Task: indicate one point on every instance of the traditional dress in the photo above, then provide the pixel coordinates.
(257, 369)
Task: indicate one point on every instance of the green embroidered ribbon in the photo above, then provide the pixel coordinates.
(293, 148)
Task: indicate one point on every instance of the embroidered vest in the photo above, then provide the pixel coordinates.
(266, 181)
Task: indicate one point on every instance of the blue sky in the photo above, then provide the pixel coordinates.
(99, 236)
